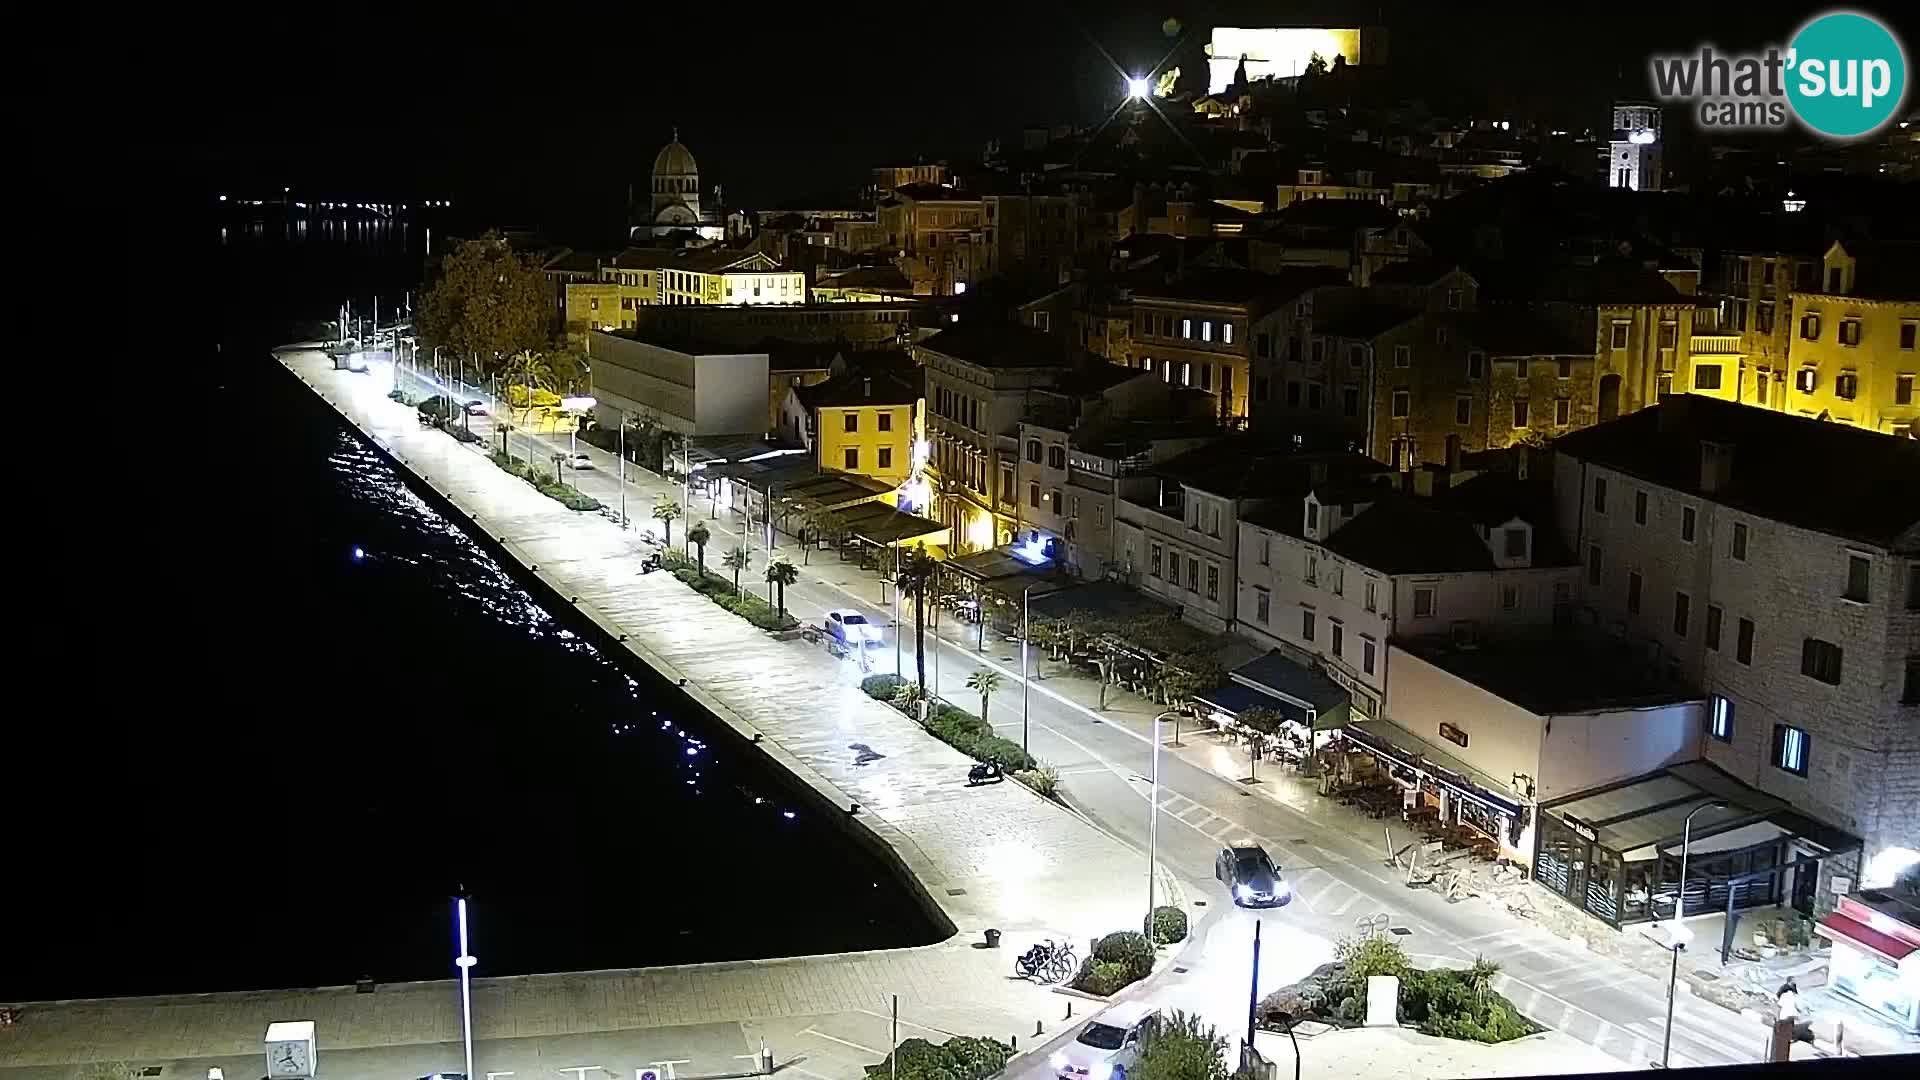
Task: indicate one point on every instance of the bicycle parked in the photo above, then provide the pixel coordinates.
(1047, 962)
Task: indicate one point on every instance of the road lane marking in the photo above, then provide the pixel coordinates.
(842, 1042)
(908, 1023)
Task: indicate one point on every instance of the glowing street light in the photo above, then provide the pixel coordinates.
(465, 962)
(1138, 88)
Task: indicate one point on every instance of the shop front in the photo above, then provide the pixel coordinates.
(1445, 794)
(1876, 954)
(1615, 852)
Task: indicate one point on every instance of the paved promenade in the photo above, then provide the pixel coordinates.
(996, 856)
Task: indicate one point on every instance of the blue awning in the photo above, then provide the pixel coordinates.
(1237, 698)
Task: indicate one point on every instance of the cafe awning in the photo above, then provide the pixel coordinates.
(1304, 695)
(1838, 927)
(1403, 747)
(1648, 815)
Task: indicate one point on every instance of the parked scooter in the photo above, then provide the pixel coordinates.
(987, 772)
(651, 563)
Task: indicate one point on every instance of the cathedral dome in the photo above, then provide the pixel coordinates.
(675, 159)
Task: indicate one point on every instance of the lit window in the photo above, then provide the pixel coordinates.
(1226, 332)
(1790, 746)
(1186, 328)
(1720, 718)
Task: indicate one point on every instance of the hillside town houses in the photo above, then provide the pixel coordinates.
(1572, 507)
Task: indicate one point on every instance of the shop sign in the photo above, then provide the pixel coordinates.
(1453, 735)
(1581, 829)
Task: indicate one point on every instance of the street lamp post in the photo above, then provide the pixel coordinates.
(465, 962)
(1153, 819)
(1686, 839)
(1677, 933)
(1025, 596)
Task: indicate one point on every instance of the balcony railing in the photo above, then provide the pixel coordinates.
(1715, 344)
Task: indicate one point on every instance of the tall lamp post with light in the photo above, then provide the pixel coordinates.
(1153, 819)
(1025, 627)
(1677, 935)
(465, 962)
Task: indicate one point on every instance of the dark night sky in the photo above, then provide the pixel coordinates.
(541, 110)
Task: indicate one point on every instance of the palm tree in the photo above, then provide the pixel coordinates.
(664, 511)
(698, 537)
(984, 681)
(1480, 976)
(737, 560)
(532, 371)
(916, 571)
(780, 574)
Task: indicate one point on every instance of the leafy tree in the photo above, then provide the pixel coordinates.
(916, 571)
(809, 526)
(698, 535)
(532, 372)
(780, 574)
(1178, 1046)
(489, 302)
(736, 560)
(664, 511)
(984, 681)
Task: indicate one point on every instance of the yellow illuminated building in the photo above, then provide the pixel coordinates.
(868, 423)
(599, 305)
(1855, 357)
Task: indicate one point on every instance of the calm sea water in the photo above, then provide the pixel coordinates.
(278, 760)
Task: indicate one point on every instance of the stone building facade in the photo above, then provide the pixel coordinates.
(1775, 563)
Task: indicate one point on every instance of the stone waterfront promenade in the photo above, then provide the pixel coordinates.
(997, 856)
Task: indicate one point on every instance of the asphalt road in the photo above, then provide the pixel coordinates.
(1338, 878)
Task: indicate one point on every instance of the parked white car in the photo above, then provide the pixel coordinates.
(1108, 1046)
(578, 461)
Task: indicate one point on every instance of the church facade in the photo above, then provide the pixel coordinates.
(674, 204)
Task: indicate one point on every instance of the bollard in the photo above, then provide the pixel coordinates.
(1036, 1029)
(766, 1059)
(1016, 1044)
(1069, 1015)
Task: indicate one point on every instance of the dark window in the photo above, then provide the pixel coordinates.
(1907, 333)
(886, 457)
(1033, 451)
(1903, 389)
(1519, 412)
(1740, 541)
(1350, 401)
(1339, 639)
(1265, 343)
(1315, 397)
(1639, 508)
(1910, 693)
(1682, 613)
(1566, 367)
(1706, 376)
(1033, 495)
(1687, 517)
(1743, 642)
(886, 421)
(1476, 364)
(1820, 660)
(1859, 574)
(853, 459)
(1260, 384)
(1633, 592)
(1213, 583)
(1713, 627)
(1056, 457)
(1293, 393)
(1516, 543)
(1366, 657)
(1562, 412)
(1462, 410)
(1402, 404)
(853, 421)
(1913, 586)
(1790, 746)
(1306, 626)
(1599, 494)
(1593, 565)
(1846, 386)
(1720, 718)
(1619, 335)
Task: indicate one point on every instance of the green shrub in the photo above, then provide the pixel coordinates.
(1005, 752)
(1129, 948)
(1179, 1046)
(881, 687)
(972, 1057)
(1044, 779)
(1167, 925)
(1102, 977)
(906, 696)
(963, 1057)
(1365, 957)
